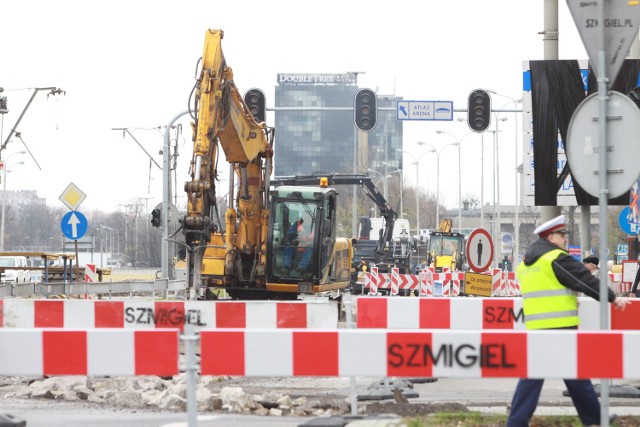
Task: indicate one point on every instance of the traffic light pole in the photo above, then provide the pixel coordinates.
(166, 197)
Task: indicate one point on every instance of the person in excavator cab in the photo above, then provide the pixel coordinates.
(298, 246)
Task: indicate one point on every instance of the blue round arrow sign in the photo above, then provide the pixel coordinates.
(74, 225)
(625, 225)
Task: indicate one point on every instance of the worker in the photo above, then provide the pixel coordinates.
(550, 279)
(593, 265)
(290, 244)
(592, 262)
(305, 247)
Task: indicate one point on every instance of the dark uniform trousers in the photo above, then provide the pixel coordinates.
(527, 394)
(525, 400)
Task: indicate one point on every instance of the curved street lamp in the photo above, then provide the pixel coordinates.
(46, 242)
(515, 102)
(458, 142)
(437, 152)
(383, 178)
(416, 162)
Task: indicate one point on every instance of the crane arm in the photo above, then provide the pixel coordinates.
(222, 117)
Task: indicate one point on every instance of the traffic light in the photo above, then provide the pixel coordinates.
(366, 110)
(155, 217)
(479, 110)
(257, 103)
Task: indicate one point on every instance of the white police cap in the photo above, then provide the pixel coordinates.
(555, 225)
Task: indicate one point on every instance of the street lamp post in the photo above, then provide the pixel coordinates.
(517, 200)
(458, 143)
(416, 162)
(437, 152)
(495, 218)
(498, 241)
(383, 178)
(46, 242)
(4, 195)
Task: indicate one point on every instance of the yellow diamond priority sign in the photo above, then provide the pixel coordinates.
(72, 197)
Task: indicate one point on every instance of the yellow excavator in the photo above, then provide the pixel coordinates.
(446, 249)
(246, 254)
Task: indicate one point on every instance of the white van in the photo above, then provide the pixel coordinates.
(377, 224)
(15, 275)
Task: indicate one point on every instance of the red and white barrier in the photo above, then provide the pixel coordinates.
(26, 313)
(428, 353)
(303, 352)
(90, 273)
(503, 283)
(38, 352)
(424, 282)
(475, 313)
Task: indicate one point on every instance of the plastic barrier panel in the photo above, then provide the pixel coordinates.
(38, 352)
(426, 353)
(475, 313)
(48, 313)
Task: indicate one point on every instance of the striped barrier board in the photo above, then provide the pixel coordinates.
(425, 353)
(504, 283)
(90, 273)
(394, 282)
(39, 352)
(48, 313)
(304, 352)
(475, 313)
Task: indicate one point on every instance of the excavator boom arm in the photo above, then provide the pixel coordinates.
(222, 117)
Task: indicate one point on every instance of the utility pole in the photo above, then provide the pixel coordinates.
(52, 92)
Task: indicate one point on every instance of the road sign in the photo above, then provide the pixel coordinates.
(72, 197)
(621, 23)
(478, 284)
(625, 225)
(424, 110)
(479, 250)
(583, 144)
(173, 216)
(73, 225)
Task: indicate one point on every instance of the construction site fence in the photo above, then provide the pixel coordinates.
(326, 353)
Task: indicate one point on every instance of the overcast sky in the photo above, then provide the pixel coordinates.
(132, 64)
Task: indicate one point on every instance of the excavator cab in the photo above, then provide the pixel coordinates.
(304, 255)
(446, 249)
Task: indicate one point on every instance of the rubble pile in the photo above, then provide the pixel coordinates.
(169, 394)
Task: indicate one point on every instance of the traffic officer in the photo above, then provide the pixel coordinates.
(550, 279)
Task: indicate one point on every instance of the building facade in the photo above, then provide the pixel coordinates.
(315, 131)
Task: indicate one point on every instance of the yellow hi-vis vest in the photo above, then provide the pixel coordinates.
(546, 303)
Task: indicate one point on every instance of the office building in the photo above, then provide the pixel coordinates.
(315, 131)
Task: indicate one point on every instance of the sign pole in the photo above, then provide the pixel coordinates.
(603, 90)
(607, 46)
